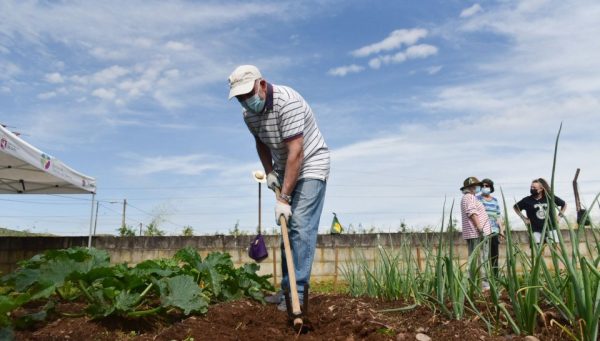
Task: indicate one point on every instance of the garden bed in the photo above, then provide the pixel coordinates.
(331, 316)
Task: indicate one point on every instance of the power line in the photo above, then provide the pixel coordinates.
(153, 215)
(163, 198)
(433, 182)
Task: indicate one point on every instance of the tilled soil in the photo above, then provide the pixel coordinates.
(330, 317)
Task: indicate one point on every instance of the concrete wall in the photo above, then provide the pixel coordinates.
(332, 253)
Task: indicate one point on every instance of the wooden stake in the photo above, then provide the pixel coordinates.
(335, 274)
(275, 265)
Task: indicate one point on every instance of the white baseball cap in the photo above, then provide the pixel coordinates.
(241, 80)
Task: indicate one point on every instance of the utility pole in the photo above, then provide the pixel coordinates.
(96, 220)
(124, 208)
(140, 229)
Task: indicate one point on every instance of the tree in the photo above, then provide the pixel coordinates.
(188, 231)
(403, 227)
(126, 231)
(152, 229)
(236, 232)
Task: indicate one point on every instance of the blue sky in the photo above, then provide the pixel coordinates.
(412, 98)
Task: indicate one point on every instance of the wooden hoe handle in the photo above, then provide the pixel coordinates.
(291, 269)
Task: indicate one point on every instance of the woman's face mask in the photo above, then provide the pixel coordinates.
(486, 190)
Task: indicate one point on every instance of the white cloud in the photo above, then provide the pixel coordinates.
(526, 84)
(421, 51)
(395, 40)
(119, 24)
(110, 74)
(178, 46)
(467, 12)
(8, 69)
(83, 80)
(434, 69)
(146, 79)
(166, 100)
(172, 73)
(105, 94)
(114, 50)
(344, 70)
(54, 78)
(143, 42)
(193, 164)
(109, 54)
(375, 63)
(397, 58)
(5, 89)
(413, 52)
(417, 154)
(46, 95)
(515, 96)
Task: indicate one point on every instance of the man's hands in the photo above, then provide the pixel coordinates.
(282, 209)
(273, 180)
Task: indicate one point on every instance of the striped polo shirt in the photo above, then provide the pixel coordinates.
(469, 205)
(287, 116)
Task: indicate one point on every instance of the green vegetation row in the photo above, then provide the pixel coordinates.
(185, 283)
(525, 291)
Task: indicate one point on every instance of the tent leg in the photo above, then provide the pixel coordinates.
(91, 221)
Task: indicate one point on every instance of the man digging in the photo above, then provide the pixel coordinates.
(295, 158)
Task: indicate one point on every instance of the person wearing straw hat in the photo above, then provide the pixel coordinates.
(295, 158)
(475, 222)
(493, 211)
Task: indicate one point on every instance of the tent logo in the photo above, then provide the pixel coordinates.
(45, 160)
(3, 143)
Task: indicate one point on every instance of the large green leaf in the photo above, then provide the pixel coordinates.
(127, 276)
(184, 293)
(54, 266)
(251, 283)
(43, 292)
(125, 301)
(99, 305)
(8, 303)
(154, 268)
(215, 269)
(190, 256)
(22, 279)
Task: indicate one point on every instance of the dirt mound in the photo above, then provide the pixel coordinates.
(331, 317)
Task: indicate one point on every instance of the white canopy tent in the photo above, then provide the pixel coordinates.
(25, 169)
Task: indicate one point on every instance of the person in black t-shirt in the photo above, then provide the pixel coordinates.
(536, 207)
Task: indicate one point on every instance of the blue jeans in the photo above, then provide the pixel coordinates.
(307, 204)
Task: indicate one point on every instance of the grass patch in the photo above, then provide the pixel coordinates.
(329, 287)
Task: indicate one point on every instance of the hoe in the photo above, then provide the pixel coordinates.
(293, 310)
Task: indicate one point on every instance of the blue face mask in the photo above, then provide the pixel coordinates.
(486, 190)
(477, 189)
(254, 104)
